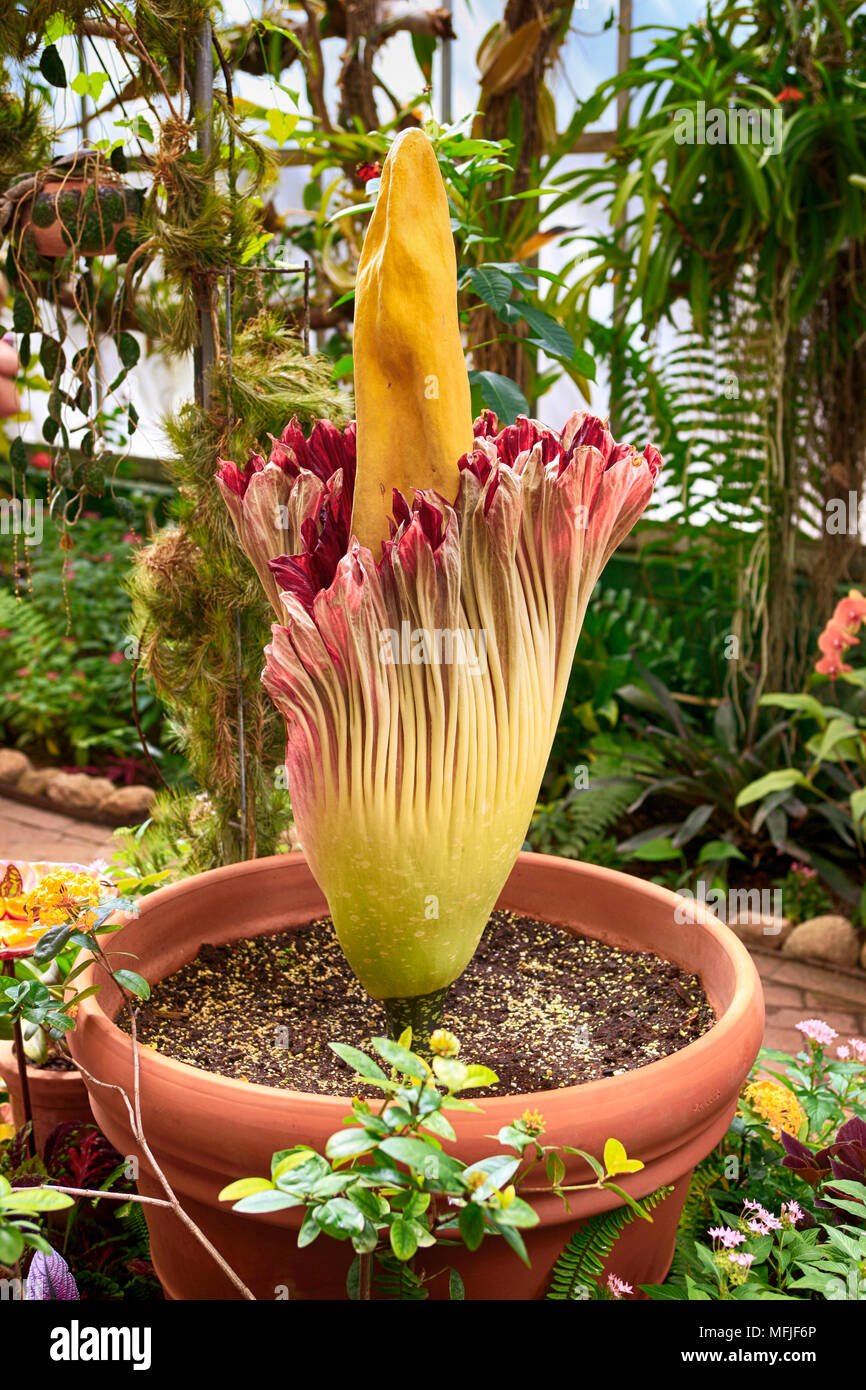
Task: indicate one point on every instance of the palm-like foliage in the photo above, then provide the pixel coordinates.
(740, 266)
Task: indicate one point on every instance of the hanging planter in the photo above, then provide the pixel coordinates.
(79, 205)
(93, 217)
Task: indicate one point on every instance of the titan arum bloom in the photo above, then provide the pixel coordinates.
(430, 579)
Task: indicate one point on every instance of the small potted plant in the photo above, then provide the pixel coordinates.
(413, 777)
(45, 910)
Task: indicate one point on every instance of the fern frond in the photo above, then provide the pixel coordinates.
(699, 1209)
(583, 1259)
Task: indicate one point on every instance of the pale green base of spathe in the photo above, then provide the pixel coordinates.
(409, 912)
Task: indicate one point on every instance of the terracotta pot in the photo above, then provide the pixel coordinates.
(206, 1130)
(56, 221)
(56, 1097)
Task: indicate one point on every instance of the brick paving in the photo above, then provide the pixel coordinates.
(28, 832)
(796, 989)
(793, 989)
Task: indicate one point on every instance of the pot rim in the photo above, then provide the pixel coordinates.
(674, 1068)
(42, 1075)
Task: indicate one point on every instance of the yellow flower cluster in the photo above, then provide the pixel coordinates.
(57, 898)
(775, 1104)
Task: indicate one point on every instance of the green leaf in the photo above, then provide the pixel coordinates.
(51, 66)
(805, 703)
(18, 456)
(401, 1058)
(35, 1199)
(403, 1239)
(51, 943)
(715, 850)
(244, 1187)
(127, 349)
(501, 395)
(57, 26)
(546, 332)
(344, 366)
(491, 286)
(281, 124)
(498, 1170)
(517, 1213)
(287, 1160)
(88, 84)
(655, 851)
(50, 354)
(339, 1218)
(22, 313)
(128, 979)
(369, 1203)
(348, 1143)
(310, 1230)
(456, 1289)
(359, 1062)
(778, 781)
(513, 1238)
(11, 1244)
(415, 1153)
(858, 804)
(471, 1224)
(258, 1203)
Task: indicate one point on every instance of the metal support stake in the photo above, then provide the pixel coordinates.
(447, 97)
(205, 352)
(239, 651)
(21, 1059)
(623, 58)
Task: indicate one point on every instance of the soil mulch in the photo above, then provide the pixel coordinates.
(543, 1008)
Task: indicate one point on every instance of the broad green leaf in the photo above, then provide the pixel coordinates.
(348, 1143)
(501, 395)
(471, 1225)
(244, 1187)
(136, 985)
(359, 1062)
(404, 1241)
(778, 781)
(401, 1058)
(339, 1218)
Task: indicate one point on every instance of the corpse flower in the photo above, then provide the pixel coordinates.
(430, 580)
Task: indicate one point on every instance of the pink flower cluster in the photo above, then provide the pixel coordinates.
(727, 1237)
(815, 1030)
(839, 634)
(761, 1222)
(853, 1050)
(803, 871)
(618, 1287)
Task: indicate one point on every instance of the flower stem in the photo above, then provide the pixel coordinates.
(422, 1013)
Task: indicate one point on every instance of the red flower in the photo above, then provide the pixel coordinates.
(366, 172)
(790, 94)
(40, 459)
